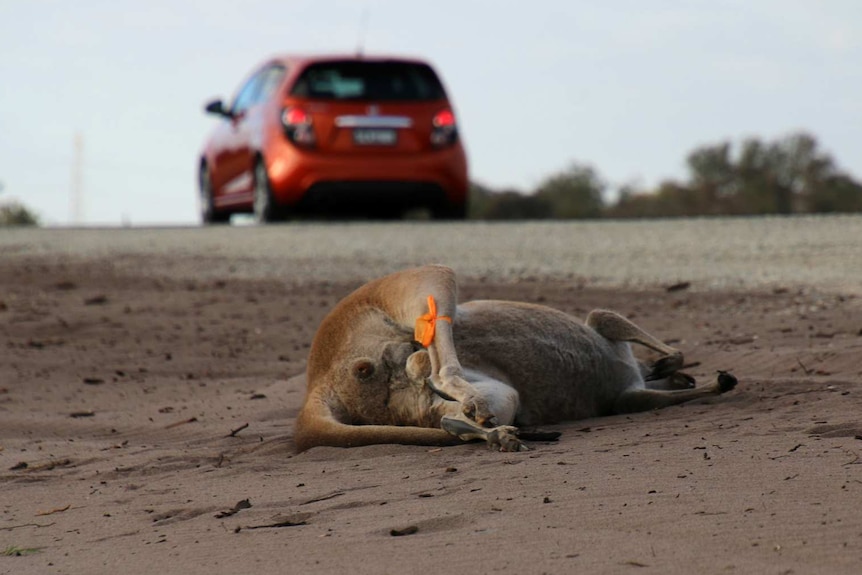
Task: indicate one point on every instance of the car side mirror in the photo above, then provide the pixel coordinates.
(217, 107)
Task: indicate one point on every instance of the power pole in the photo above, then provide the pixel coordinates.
(77, 188)
(363, 26)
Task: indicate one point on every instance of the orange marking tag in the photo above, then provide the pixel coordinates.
(426, 323)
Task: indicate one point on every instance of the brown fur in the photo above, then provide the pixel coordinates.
(497, 365)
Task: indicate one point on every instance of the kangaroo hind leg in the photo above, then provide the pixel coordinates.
(639, 399)
(615, 327)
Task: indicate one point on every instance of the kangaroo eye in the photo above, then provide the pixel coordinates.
(363, 369)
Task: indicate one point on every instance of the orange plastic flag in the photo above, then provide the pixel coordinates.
(425, 324)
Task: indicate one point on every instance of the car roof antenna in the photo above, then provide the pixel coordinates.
(363, 27)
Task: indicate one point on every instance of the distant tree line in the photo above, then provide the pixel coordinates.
(13, 213)
(788, 176)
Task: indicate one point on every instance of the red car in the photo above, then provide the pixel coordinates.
(335, 135)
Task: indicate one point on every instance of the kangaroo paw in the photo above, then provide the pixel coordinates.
(504, 437)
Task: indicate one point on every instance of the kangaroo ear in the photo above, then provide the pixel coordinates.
(419, 366)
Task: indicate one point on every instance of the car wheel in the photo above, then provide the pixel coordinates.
(206, 204)
(265, 207)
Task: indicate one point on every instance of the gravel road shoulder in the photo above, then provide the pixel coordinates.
(727, 253)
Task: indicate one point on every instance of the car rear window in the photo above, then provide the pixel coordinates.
(352, 80)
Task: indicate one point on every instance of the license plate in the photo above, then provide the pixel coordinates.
(374, 137)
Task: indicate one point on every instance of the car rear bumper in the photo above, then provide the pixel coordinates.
(305, 178)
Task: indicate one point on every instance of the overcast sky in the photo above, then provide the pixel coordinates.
(629, 86)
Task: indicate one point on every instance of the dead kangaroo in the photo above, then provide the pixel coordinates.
(398, 361)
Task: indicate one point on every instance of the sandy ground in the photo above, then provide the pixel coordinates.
(146, 422)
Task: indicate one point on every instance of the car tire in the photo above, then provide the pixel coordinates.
(266, 210)
(206, 203)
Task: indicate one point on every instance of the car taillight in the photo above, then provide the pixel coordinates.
(297, 127)
(444, 131)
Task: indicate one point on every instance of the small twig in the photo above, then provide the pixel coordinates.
(323, 498)
(53, 511)
(284, 523)
(46, 466)
(183, 422)
(11, 527)
(237, 430)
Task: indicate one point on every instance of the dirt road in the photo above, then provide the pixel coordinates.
(148, 389)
